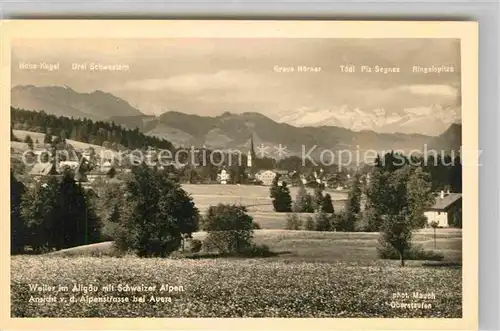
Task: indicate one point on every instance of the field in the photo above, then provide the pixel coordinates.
(254, 197)
(20, 134)
(317, 246)
(315, 275)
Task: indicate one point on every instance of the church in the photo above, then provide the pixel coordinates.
(264, 176)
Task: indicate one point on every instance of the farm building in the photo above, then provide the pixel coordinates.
(447, 210)
(43, 170)
(69, 164)
(101, 174)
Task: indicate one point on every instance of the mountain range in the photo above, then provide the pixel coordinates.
(233, 131)
(431, 120)
(64, 101)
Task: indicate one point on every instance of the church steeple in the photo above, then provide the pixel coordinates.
(251, 153)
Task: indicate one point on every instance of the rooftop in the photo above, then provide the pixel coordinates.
(446, 202)
(43, 169)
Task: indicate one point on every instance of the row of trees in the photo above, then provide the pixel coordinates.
(54, 215)
(304, 202)
(152, 217)
(84, 130)
(396, 198)
(444, 169)
(325, 219)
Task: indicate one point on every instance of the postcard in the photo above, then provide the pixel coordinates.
(259, 174)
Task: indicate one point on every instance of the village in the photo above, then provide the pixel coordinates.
(96, 170)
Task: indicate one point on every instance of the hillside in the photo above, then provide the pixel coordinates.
(102, 133)
(226, 131)
(234, 130)
(450, 140)
(37, 136)
(64, 101)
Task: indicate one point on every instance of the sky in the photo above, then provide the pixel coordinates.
(212, 76)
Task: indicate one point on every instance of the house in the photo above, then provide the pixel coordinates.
(87, 155)
(266, 176)
(223, 176)
(69, 164)
(104, 172)
(43, 170)
(446, 211)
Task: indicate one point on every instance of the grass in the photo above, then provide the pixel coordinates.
(315, 274)
(316, 246)
(20, 134)
(234, 288)
(255, 197)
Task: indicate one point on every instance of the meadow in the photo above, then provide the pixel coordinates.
(22, 146)
(316, 274)
(254, 197)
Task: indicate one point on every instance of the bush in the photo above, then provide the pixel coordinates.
(309, 224)
(256, 251)
(387, 252)
(323, 222)
(229, 228)
(303, 202)
(195, 245)
(293, 222)
(256, 226)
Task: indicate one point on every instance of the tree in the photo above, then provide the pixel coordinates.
(12, 135)
(17, 225)
(114, 217)
(59, 215)
(303, 201)
(280, 195)
(48, 137)
(327, 204)
(434, 226)
(456, 175)
(40, 209)
(29, 141)
(62, 137)
(371, 219)
(318, 198)
(77, 222)
(309, 224)
(419, 196)
(323, 222)
(293, 222)
(177, 203)
(229, 228)
(397, 198)
(396, 230)
(353, 206)
(157, 216)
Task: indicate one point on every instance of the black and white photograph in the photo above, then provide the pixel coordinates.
(205, 177)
